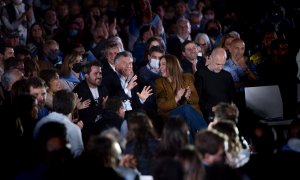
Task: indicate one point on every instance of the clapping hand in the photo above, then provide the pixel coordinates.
(179, 94)
(187, 93)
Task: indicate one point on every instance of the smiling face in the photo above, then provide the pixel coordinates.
(111, 54)
(40, 94)
(163, 67)
(94, 78)
(55, 84)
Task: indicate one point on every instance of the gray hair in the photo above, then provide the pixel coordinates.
(9, 78)
(123, 54)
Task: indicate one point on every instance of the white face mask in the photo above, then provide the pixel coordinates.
(154, 63)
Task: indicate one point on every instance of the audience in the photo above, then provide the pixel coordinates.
(38, 36)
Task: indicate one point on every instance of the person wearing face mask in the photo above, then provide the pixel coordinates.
(71, 68)
(149, 73)
(50, 56)
(213, 29)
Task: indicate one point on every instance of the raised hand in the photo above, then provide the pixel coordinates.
(104, 99)
(132, 83)
(187, 93)
(113, 28)
(146, 92)
(83, 104)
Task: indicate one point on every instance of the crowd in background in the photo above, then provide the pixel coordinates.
(118, 89)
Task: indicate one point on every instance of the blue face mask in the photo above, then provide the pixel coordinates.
(73, 32)
(53, 56)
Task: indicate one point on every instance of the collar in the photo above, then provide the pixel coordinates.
(182, 40)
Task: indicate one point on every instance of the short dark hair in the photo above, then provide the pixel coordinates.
(35, 82)
(88, 66)
(186, 42)
(113, 103)
(47, 75)
(64, 102)
(156, 49)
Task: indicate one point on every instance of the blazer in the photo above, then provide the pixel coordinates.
(165, 96)
(93, 113)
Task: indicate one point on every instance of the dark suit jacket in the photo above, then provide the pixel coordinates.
(111, 81)
(174, 46)
(93, 113)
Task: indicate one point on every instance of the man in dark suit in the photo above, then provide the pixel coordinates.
(110, 76)
(183, 32)
(91, 88)
(133, 99)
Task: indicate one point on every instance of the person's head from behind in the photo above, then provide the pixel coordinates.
(25, 106)
(211, 145)
(170, 66)
(93, 73)
(191, 160)
(51, 78)
(235, 146)
(64, 102)
(168, 168)
(123, 63)
(36, 87)
(227, 111)
(140, 127)
(175, 135)
(115, 104)
(14, 63)
(294, 129)
(51, 145)
(104, 151)
(262, 139)
(18, 88)
(31, 68)
(114, 134)
(217, 59)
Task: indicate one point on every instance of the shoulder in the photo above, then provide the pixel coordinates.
(160, 80)
(80, 86)
(188, 76)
